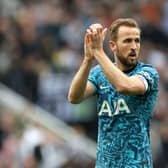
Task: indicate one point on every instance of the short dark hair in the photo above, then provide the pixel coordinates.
(121, 22)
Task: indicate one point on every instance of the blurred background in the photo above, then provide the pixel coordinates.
(41, 48)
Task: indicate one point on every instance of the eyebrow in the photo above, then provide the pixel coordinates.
(130, 39)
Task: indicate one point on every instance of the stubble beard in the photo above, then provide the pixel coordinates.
(126, 61)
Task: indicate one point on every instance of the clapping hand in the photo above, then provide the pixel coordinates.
(94, 39)
(97, 35)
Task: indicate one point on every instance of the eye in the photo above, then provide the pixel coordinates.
(137, 40)
(128, 40)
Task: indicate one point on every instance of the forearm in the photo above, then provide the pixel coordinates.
(118, 79)
(78, 84)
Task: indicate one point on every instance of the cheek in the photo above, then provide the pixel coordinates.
(124, 49)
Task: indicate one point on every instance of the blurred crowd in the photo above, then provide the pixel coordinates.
(41, 47)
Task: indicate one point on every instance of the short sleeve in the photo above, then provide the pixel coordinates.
(151, 75)
(93, 76)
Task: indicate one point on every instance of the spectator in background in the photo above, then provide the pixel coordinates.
(23, 78)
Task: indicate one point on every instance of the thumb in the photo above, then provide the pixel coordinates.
(87, 39)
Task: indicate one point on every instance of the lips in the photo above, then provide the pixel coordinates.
(132, 55)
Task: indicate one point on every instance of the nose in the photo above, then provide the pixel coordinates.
(134, 45)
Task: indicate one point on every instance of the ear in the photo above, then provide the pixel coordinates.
(112, 45)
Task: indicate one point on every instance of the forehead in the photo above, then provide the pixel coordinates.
(128, 32)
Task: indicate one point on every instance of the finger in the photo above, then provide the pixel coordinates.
(97, 25)
(89, 31)
(96, 28)
(93, 28)
(99, 30)
(87, 39)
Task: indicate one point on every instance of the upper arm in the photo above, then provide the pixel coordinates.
(145, 80)
(137, 85)
(92, 82)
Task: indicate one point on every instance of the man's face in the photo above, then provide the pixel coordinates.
(128, 46)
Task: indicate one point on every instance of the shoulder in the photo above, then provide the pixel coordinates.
(96, 69)
(147, 68)
(144, 65)
(149, 73)
(95, 75)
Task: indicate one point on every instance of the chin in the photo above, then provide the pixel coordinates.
(132, 63)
